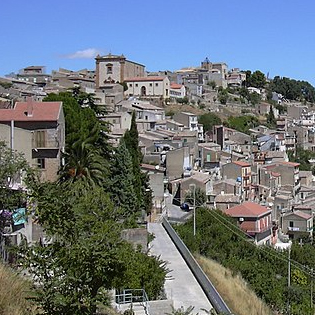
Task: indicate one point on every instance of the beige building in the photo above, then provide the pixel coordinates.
(298, 224)
(113, 69)
(17, 139)
(45, 121)
(148, 86)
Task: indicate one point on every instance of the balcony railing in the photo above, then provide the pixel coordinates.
(48, 144)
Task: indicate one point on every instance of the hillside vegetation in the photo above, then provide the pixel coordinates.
(264, 268)
(233, 289)
(14, 293)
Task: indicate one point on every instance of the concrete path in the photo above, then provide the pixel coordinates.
(181, 285)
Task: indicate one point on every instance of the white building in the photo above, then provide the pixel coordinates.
(148, 86)
(177, 90)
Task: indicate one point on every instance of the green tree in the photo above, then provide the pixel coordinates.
(200, 197)
(209, 120)
(271, 120)
(122, 181)
(257, 79)
(87, 255)
(131, 139)
(242, 123)
(13, 169)
(254, 98)
(223, 96)
(212, 84)
(83, 163)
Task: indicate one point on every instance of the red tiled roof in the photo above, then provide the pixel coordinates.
(303, 215)
(247, 209)
(39, 111)
(137, 79)
(275, 174)
(176, 86)
(241, 163)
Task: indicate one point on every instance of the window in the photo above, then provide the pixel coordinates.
(136, 84)
(41, 163)
(109, 67)
(130, 85)
(291, 223)
(40, 139)
(150, 84)
(156, 84)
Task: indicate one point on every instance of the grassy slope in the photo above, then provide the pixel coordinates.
(233, 289)
(13, 294)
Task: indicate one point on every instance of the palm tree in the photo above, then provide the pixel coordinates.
(83, 164)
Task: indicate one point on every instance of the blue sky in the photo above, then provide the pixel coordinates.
(274, 36)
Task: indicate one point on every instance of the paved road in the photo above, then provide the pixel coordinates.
(182, 287)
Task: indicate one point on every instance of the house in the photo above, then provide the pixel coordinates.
(45, 120)
(17, 139)
(290, 178)
(178, 163)
(306, 178)
(230, 139)
(177, 90)
(226, 201)
(118, 120)
(240, 171)
(191, 122)
(156, 183)
(113, 68)
(208, 155)
(298, 224)
(254, 220)
(34, 74)
(148, 87)
(147, 114)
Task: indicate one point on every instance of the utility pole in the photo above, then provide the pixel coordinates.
(312, 289)
(194, 206)
(289, 277)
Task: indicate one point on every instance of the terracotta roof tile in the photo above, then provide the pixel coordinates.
(38, 111)
(241, 163)
(247, 209)
(176, 86)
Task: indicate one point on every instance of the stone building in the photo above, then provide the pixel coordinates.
(113, 69)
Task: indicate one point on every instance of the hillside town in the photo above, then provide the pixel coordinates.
(252, 175)
(247, 175)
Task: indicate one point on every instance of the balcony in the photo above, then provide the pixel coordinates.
(48, 144)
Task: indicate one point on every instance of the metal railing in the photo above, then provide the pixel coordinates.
(132, 296)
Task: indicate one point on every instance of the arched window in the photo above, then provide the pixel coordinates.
(143, 91)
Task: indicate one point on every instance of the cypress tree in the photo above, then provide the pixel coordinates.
(131, 139)
(122, 183)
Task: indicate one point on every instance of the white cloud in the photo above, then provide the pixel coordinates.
(88, 53)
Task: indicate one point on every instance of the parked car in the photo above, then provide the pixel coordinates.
(186, 207)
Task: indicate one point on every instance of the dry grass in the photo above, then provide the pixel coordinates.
(233, 289)
(13, 294)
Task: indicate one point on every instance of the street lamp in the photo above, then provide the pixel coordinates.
(194, 205)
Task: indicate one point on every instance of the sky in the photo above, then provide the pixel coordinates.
(273, 36)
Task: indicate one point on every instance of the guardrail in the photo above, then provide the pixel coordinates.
(131, 296)
(212, 294)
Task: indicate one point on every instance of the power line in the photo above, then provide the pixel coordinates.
(240, 233)
(246, 237)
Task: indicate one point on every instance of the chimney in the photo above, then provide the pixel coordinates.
(29, 112)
